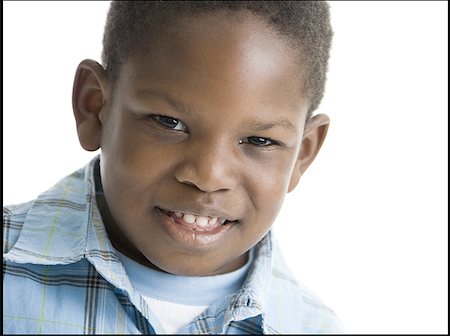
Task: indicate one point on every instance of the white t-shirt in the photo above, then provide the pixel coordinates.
(176, 300)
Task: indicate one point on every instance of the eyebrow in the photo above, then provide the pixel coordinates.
(189, 108)
(176, 104)
(262, 126)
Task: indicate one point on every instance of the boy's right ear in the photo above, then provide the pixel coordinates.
(89, 98)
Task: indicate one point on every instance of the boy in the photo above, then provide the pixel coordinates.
(203, 113)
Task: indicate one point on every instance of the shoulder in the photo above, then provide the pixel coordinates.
(15, 210)
(293, 308)
(62, 207)
(13, 219)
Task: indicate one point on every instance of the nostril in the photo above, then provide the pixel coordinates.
(203, 188)
(205, 178)
(189, 183)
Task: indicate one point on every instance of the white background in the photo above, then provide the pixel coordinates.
(366, 229)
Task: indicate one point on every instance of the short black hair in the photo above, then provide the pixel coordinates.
(306, 24)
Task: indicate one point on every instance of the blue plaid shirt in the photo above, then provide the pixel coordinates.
(62, 275)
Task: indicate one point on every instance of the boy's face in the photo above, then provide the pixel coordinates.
(207, 126)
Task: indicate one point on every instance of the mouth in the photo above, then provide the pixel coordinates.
(196, 231)
(200, 223)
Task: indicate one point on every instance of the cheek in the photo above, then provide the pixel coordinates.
(268, 182)
(132, 166)
(272, 171)
(270, 199)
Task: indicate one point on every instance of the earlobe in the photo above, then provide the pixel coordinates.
(314, 135)
(89, 96)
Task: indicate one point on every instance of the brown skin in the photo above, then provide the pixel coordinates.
(233, 74)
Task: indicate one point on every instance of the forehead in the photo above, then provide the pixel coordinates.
(223, 57)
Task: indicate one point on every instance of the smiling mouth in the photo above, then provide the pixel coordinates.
(197, 222)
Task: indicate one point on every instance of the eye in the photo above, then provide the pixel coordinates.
(172, 123)
(259, 141)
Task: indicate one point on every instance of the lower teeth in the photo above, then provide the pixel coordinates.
(200, 228)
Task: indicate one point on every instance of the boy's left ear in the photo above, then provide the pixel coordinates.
(314, 135)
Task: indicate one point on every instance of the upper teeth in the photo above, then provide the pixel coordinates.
(201, 221)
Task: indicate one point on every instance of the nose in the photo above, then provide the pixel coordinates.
(209, 167)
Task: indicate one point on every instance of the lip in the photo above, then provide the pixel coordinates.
(189, 238)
